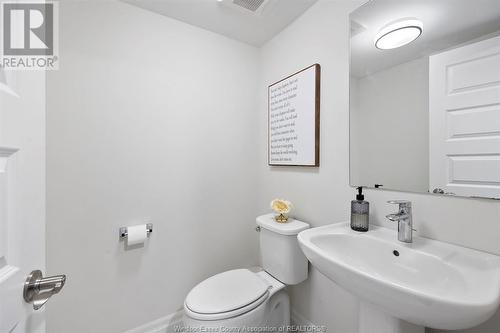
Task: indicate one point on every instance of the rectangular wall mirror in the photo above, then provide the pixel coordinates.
(425, 96)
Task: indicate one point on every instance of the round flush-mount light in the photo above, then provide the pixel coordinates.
(398, 33)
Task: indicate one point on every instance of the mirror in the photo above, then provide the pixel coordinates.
(425, 96)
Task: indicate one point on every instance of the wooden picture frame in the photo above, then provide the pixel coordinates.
(293, 108)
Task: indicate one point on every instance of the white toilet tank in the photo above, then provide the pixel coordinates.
(280, 253)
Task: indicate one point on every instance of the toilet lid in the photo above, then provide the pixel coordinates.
(226, 292)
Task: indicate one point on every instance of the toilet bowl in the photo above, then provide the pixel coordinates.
(241, 298)
(237, 298)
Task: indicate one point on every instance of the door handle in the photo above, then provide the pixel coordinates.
(38, 289)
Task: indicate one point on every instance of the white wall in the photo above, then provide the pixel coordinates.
(321, 196)
(390, 127)
(147, 117)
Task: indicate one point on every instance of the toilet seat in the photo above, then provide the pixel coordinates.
(225, 315)
(226, 295)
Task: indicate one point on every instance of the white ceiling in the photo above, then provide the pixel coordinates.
(447, 23)
(221, 17)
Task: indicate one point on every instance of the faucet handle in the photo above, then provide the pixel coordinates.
(401, 203)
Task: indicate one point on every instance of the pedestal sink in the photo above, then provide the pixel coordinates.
(426, 283)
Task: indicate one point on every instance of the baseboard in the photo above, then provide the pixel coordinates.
(166, 324)
(298, 319)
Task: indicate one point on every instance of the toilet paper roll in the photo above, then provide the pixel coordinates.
(136, 234)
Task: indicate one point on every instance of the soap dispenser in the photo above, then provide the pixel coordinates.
(360, 212)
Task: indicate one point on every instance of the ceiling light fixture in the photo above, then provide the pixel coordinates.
(398, 33)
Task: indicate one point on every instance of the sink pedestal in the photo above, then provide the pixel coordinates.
(373, 320)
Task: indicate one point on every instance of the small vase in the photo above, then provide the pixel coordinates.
(282, 218)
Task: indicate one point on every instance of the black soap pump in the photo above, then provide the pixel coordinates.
(360, 212)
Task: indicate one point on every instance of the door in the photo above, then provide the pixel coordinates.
(22, 195)
(464, 106)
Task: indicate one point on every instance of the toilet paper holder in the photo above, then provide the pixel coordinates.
(123, 231)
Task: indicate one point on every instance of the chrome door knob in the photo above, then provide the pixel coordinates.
(38, 290)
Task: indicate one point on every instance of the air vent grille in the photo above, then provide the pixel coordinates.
(251, 5)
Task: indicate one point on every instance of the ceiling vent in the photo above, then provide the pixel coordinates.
(246, 6)
(251, 5)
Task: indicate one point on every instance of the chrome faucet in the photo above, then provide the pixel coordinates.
(404, 219)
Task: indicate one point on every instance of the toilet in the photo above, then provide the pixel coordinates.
(248, 298)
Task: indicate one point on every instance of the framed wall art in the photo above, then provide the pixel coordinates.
(293, 119)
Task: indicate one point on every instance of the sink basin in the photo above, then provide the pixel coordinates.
(427, 282)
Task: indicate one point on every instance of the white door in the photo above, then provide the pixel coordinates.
(22, 196)
(464, 106)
